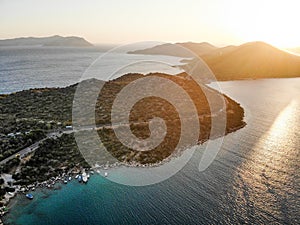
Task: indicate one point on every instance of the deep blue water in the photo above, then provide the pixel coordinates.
(253, 180)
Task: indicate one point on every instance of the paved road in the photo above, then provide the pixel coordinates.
(56, 134)
(33, 147)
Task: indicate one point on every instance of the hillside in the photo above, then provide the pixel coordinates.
(47, 41)
(173, 50)
(252, 60)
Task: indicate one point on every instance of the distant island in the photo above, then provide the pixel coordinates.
(251, 60)
(56, 40)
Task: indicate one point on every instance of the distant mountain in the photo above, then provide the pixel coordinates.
(248, 61)
(253, 60)
(171, 49)
(47, 41)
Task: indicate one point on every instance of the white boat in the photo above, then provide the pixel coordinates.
(105, 174)
(84, 179)
(76, 177)
(70, 178)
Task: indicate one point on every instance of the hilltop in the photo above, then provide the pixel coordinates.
(251, 60)
(56, 40)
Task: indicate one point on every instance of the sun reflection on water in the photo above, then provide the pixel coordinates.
(284, 123)
(266, 178)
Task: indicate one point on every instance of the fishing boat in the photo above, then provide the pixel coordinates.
(29, 196)
(79, 178)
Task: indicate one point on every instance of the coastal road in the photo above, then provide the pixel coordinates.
(56, 134)
(34, 146)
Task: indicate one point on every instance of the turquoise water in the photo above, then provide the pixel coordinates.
(254, 179)
(74, 203)
(103, 202)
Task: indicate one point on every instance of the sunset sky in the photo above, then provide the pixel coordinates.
(220, 22)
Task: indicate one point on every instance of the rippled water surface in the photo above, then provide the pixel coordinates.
(35, 67)
(254, 179)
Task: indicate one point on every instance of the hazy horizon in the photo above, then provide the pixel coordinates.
(117, 22)
(155, 43)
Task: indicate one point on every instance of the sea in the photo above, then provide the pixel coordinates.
(253, 180)
(24, 67)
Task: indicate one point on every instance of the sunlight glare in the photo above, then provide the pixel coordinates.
(268, 21)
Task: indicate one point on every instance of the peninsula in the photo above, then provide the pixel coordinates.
(37, 142)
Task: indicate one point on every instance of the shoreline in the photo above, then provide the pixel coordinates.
(10, 200)
(47, 184)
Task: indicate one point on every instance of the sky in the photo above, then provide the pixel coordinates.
(220, 22)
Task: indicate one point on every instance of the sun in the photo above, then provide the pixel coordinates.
(275, 22)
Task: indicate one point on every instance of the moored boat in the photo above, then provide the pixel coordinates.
(29, 196)
(84, 179)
